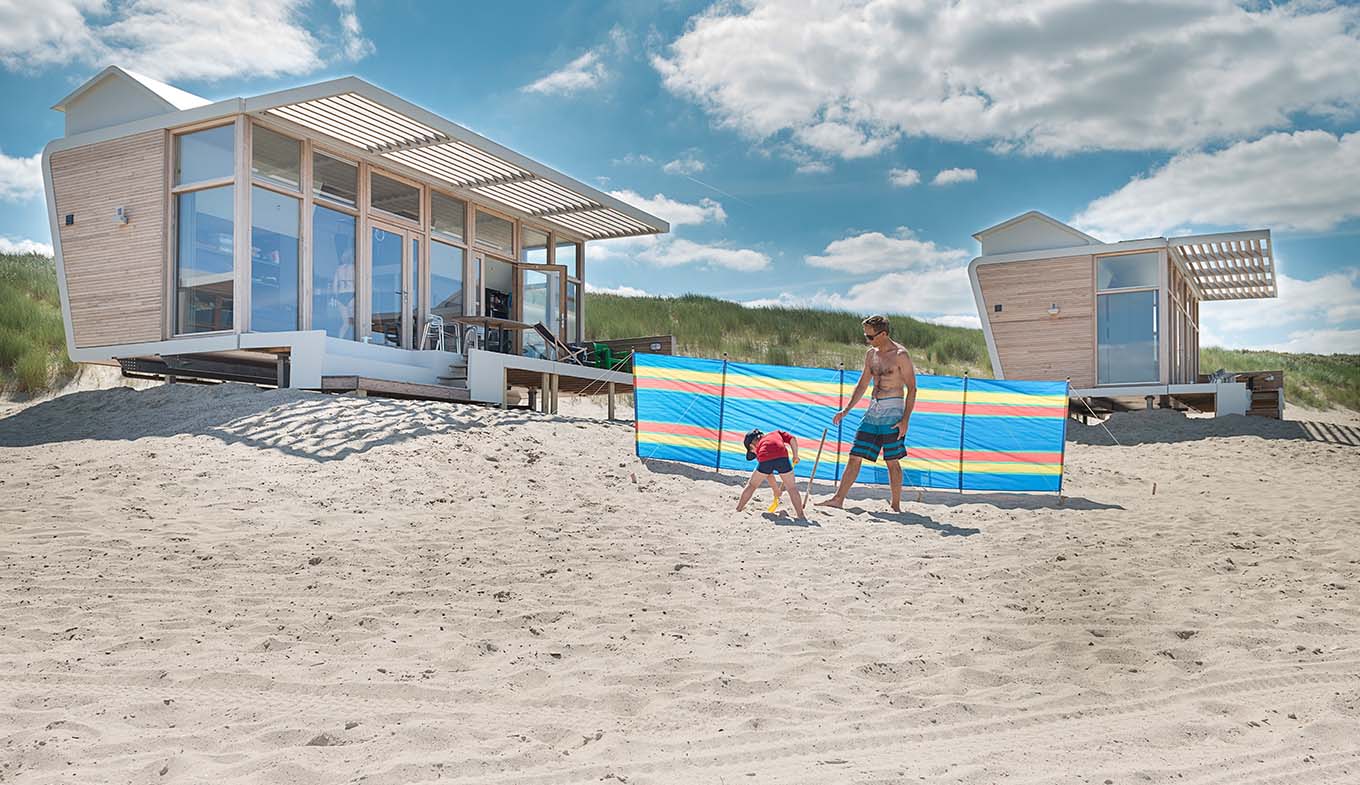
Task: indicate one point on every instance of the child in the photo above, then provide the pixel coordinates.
(772, 452)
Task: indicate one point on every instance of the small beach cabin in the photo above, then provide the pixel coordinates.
(1121, 319)
(330, 236)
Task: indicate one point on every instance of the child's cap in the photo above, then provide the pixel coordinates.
(751, 438)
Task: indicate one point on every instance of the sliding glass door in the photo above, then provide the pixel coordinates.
(1127, 319)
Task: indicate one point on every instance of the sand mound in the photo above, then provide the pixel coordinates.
(1167, 425)
(223, 584)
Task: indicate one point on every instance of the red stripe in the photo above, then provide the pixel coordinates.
(678, 429)
(1008, 410)
(699, 388)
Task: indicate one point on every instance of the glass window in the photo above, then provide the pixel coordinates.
(534, 247)
(1128, 271)
(205, 155)
(204, 271)
(446, 288)
(416, 324)
(573, 306)
(334, 179)
(1126, 331)
(395, 197)
(566, 255)
(275, 157)
(274, 253)
(448, 216)
(333, 272)
(495, 233)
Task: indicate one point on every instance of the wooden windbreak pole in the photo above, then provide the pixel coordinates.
(807, 497)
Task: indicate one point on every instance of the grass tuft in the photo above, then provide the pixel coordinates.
(33, 356)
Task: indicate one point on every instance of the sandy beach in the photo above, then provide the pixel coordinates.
(228, 585)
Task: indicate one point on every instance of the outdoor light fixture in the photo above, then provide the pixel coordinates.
(120, 216)
(1053, 309)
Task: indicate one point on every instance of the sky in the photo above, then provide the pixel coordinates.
(833, 154)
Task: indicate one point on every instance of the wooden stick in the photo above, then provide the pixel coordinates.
(807, 497)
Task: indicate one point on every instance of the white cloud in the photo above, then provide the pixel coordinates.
(632, 159)
(942, 295)
(179, 39)
(1315, 315)
(1320, 342)
(583, 73)
(903, 178)
(620, 291)
(951, 176)
(1056, 76)
(355, 46)
(1303, 180)
(671, 251)
(674, 212)
(687, 165)
(24, 246)
(20, 178)
(676, 251)
(813, 167)
(872, 252)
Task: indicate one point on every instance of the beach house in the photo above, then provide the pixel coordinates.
(331, 236)
(1121, 320)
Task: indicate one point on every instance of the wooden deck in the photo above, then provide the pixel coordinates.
(365, 386)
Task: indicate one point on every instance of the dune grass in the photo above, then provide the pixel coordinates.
(33, 355)
(1319, 381)
(708, 327)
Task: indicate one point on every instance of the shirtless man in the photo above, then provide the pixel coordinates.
(884, 428)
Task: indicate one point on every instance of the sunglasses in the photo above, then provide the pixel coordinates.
(871, 336)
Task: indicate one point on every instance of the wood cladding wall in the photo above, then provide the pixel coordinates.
(115, 273)
(1031, 343)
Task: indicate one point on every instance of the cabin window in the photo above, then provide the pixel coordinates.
(1126, 345)
(573, 308)
(1127, 271)
(204, 268)
(394, 197)
(335, 180)
(274, 252)
(534, 248)
(566, 255)
(333, 244)
(495, 234)
(446, 288)
(205, 156)
(275, 158)
(448, 216)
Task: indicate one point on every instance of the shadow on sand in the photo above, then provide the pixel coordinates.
(820, 490)
(308, 425)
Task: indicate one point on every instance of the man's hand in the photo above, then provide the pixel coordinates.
(902, 430)
(837, 417)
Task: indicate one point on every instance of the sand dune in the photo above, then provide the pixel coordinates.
(220, 584)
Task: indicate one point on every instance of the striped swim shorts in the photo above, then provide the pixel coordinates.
(878, 431)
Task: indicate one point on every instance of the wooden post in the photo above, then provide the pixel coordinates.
(505, 387)
(611, 400)
(281, 370)
(543, 386)
(557, 389)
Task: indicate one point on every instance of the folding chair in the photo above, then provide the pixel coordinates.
(563, 352)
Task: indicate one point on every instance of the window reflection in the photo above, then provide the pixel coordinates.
(333, 272)
(204, 269)
(273, 261)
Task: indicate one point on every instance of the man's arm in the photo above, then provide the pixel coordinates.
(792, 447)
(908, 370)
(860, 389)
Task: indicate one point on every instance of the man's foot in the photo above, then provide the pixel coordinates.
(896, 506)
(834, 501)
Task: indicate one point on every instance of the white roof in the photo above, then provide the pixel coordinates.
(357, 114)
(1227, 266)
(173, 97)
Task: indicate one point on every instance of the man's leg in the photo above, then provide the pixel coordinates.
(895, 480)
(774, 486)
(757, 479)
(847, 480)
(791, 485)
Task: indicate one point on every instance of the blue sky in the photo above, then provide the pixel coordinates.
(836, 154)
